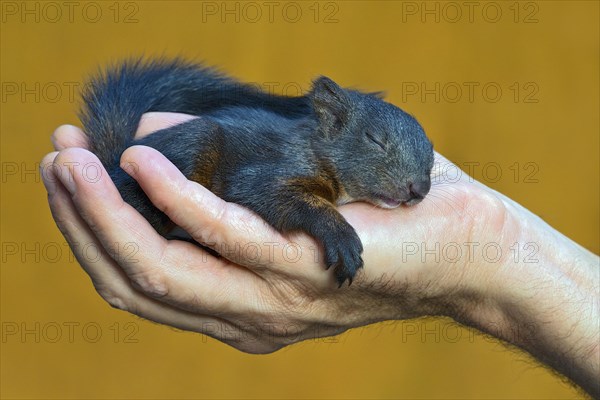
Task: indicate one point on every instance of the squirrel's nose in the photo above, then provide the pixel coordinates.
(419, 189)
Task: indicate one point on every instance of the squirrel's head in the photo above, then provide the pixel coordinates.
(381, 154)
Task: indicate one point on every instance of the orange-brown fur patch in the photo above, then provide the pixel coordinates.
(207, 161)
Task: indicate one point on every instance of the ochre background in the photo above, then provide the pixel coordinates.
(372, 45)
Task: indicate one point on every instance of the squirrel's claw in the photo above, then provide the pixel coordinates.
(343, 252)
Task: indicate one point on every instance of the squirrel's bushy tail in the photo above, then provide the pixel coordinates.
(115, 99)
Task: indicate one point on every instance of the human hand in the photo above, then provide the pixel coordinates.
(270, 290)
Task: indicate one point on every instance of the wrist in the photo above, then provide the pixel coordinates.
(542, 296)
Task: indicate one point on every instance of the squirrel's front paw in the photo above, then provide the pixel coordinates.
(343, 250)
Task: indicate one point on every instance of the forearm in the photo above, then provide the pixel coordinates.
(547, 304)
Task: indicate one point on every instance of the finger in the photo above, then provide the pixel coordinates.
(87, 182)
(108, 279)
(66, 136)
(175, 272)
(154, 121)
(234, 231)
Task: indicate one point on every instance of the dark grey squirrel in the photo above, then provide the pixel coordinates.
(289, 159)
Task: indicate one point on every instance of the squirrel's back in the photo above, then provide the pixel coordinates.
(115, 99)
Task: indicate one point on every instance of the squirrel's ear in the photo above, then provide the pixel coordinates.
(331, 104)
(380, 95)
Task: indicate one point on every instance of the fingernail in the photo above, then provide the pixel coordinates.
(64, 172)
(130, 167)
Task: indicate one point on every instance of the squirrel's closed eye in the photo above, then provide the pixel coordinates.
(375, 140)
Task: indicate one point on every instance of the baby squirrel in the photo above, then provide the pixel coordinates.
(289, 159)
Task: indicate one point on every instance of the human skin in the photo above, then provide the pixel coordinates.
(532, 287)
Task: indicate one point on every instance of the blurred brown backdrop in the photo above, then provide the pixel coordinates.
(507, 87)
